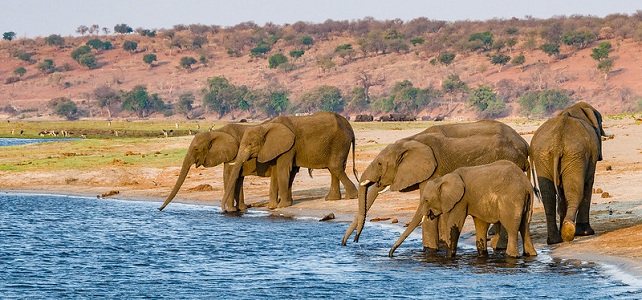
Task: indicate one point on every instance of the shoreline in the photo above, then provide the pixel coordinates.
(627, 270)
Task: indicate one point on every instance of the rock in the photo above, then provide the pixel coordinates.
(606, 195)
(598, 191)
(110, 193)
(609, 168)
(202, 187)
(329, 216)
(379, 219)
(394, 221)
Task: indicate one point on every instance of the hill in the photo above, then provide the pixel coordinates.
(407, 51)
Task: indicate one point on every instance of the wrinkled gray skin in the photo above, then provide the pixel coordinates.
(565, 150)
(492, 193)
(212, 148)
(318, 141)
(408, 163)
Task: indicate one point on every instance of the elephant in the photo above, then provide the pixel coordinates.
(564, 153)
(212, 148)
(407, 164)
(317, 141)
(498, 192)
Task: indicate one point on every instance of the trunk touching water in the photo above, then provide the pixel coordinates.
(359, 218)
(416, 220)
(187, 163)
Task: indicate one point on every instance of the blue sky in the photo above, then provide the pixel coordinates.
(31, 18)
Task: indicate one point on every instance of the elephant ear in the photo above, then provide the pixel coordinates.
(416, 164)
(222, 148)
(278, 139)
(451, 191)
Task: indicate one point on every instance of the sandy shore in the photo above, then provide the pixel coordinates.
(616, 217)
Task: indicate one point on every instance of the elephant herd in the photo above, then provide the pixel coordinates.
(484, 169)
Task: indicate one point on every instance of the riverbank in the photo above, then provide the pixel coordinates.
(616, 212)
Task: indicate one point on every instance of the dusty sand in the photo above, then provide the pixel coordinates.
(616, 218)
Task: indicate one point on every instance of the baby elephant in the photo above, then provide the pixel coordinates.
(498, 192)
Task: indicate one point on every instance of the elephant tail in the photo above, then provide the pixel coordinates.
(354, 165)
(556, 175)
(532, 177)
(310, 172)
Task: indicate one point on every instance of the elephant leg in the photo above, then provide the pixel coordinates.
(549, 200)
(348, 185)
(481, 230)
(238, 195)
(502, 238)
(529, 249)
(453, 230)
(284, 168)
(583, 227)
(430, 234)
(512, 250)
(274, 191)
(574, 195)
(335, 190)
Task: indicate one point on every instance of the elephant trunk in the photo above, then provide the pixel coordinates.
(360, 218)
(187, 163)
(416, 220)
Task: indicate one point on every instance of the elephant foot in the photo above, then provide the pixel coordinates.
(552, 240)
(568, 231)
(230, 209)
(333, 196)
(352, 195)
(583, 229)
(272, 206)
(430, 251)
(242, 207)
(283, 203)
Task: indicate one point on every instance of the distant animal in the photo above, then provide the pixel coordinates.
(364, 118)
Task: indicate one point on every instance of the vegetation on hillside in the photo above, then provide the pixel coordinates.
(289, 48)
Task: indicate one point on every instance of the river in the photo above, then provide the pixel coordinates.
(54, 246)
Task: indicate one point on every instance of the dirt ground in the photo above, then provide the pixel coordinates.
(616, 211)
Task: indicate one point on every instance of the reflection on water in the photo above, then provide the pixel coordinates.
(18, 141)
(70, 247)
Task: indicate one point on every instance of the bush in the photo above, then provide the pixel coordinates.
(276, 60)
(64, 107)
(486, 102)
(543, 103)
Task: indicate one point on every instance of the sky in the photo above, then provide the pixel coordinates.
(32, 18)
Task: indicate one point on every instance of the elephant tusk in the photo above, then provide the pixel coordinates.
(385, 189)
(365, 182)
(231, 164)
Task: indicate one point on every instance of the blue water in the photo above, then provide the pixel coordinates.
(18, 142)
(73, 247)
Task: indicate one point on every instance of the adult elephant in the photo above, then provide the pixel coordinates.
(318, 141)
(407, 164)
(212, 148)
(564, 152)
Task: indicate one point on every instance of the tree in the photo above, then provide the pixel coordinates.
(276, 60)
(55, 40)
(307, 40)
(453, 85)
(358, 100)
(544, 102)
(185, 104)
(500, 59)
(446, 58)
(323, 98)
(405, 98)
(123, 29)
(76, 53)
(486, 102)
(130, 46)
(261, 49)
(64, 107)
(82, 29)
(417, 41)
(223, 97)
(602, 51)
(578, 39)
(149, 59)
(325, 63)
(47, 66)
(366, 80)
(296, 54)
(485, 38)
(187, 62)
(20, 71)
(519, 61)
(601, 54)
(140, 102)
(96, 44)
(9, 35)
(345, 51)
(550, 49)
(106, 98)
(88, 60)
